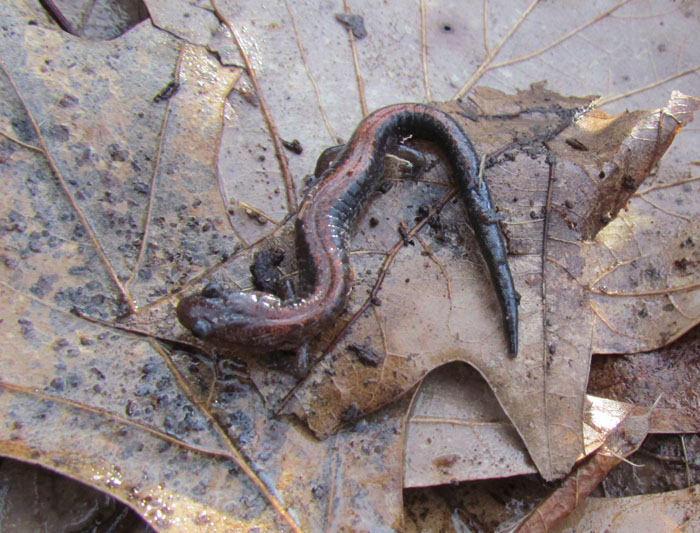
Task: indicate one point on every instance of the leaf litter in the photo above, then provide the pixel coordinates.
(118, 281)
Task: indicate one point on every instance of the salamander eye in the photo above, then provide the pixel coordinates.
(212, 290)
(201, 328)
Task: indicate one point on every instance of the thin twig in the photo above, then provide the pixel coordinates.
(241, 461)
(484, 66)
(126, 297)
(652, 292)
(543, 285)
(154, 176)
(424, 51)
(609, 99)
(685, 461)
(356, 65)
(560, 39)
(666, 186)
(316, 89)
(23, 145)
(271, 126)
(485, 24)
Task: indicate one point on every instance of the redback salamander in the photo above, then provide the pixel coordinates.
(324, 222)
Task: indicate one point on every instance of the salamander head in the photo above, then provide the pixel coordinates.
(226, 317)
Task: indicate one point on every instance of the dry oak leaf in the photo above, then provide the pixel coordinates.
(456, 430)
(666, 512)
(439, 307)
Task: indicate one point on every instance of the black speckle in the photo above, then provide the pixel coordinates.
(68, 100)
(351, 413)
(43, 285)
(576, 144)
(167, 92)
(385, 186)
(23, 128)
(57, 384)
(78, 270)
(293, 146)
(354, 23)
(58, 132)
(26, 328)
(366, 355)
(116, 153)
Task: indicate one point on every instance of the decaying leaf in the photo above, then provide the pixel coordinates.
(580, 483)
(670, 511)
(669, 376)
(114, 206)
(457, 431)
(418, 334)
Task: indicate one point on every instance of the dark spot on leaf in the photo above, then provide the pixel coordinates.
(385, 186)
(60, 344)
(79, 270)
(576, 144)
(350, 413)
(354, 23)
(681, 264)
(57, 384)
(366, 355)
(26, 329)
(116, 153)
(68, 100)
(23, 129)
(59, 132)
(446, 461)
(167, 92)
(293, 146)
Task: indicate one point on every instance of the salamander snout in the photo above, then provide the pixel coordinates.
(231, 316)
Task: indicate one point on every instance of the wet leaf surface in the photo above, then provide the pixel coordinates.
(558, 306)
(124, 192)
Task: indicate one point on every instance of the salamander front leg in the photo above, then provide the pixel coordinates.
(414, 157)
(325, 160)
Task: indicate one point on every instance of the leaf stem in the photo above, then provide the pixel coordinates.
(271, 126)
